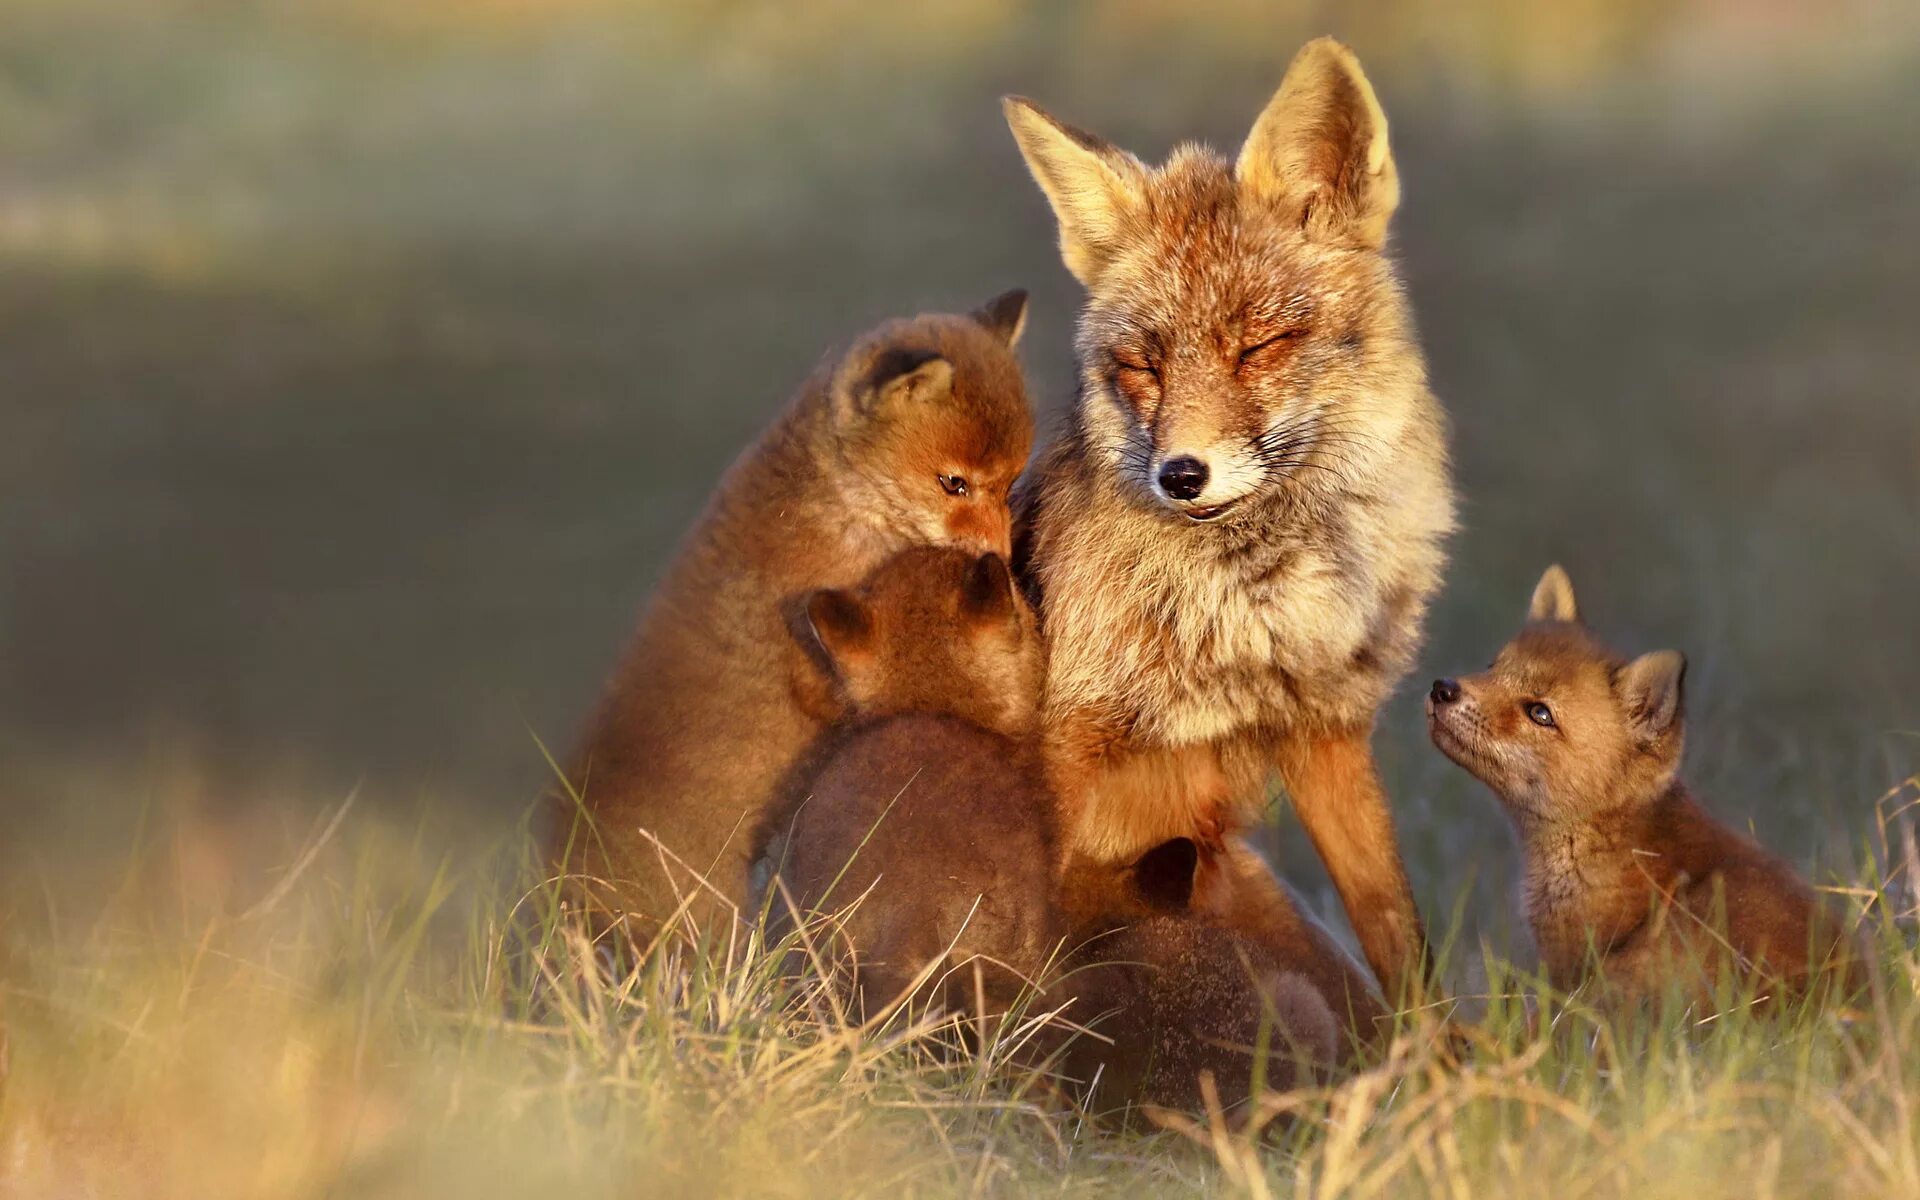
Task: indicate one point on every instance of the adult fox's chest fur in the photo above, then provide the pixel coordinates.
(1302, 618)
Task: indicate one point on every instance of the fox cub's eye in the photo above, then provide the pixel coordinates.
(1540, 714)
(954, 485)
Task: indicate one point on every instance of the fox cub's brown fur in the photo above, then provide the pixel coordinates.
(1173, 997)
(914, 436)
(1624, 871)
(1172, 994)
(921, 820)
(1235, 541)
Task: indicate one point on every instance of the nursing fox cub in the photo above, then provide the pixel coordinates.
(920, 820)
(1626, 875)
(913, 436)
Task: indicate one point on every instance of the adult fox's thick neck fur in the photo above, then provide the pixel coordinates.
(1235, 541)
(913, 437)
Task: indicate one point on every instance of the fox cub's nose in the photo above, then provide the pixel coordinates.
(1183, 478)
(1445, 691)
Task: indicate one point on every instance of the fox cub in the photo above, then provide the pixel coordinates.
(1171, 996)
(922, 825)
(912, 437)
(920, 820)
(1626, 874)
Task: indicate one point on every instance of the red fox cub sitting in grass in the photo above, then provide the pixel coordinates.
(1626, 875)
(921, 828)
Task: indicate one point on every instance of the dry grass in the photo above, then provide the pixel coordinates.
(352, 1023)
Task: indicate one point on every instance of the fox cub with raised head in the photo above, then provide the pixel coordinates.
(1235, 540)
(913, 436)
(920, 822)
(1626, 875)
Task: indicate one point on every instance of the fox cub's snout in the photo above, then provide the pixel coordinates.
(1559, 726)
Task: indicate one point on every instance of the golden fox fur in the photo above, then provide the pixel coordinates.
(913, 436)
(1234, 542)
(1625, 873)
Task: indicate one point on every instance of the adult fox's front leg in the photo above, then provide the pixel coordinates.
(1336, 792)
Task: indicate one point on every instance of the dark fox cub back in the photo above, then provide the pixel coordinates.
(920, 822)
(1625, 873)
(1170, 996)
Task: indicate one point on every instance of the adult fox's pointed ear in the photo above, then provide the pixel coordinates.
(1553, 597)
(1320, 149)
(1094, 187)
(1651, 687)
(840, 625)
(1005, 315)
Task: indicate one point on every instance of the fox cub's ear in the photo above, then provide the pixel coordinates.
(1005, 315)
(841, 626)
(1163, 876)
(1093, 186)
(1650, 687)
(988, 589)
(1320, 149)
(894, 378)
(1553, 597)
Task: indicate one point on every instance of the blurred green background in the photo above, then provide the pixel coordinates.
(360, 362)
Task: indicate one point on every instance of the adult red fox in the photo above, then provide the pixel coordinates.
(1235, 540)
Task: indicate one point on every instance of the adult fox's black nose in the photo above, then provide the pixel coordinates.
(1445, 691)
(1183, 478)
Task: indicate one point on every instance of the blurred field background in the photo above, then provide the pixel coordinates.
(360, 362)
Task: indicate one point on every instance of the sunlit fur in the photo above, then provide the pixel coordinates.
(714, 699)
(1241, 312)
(1625, 873)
